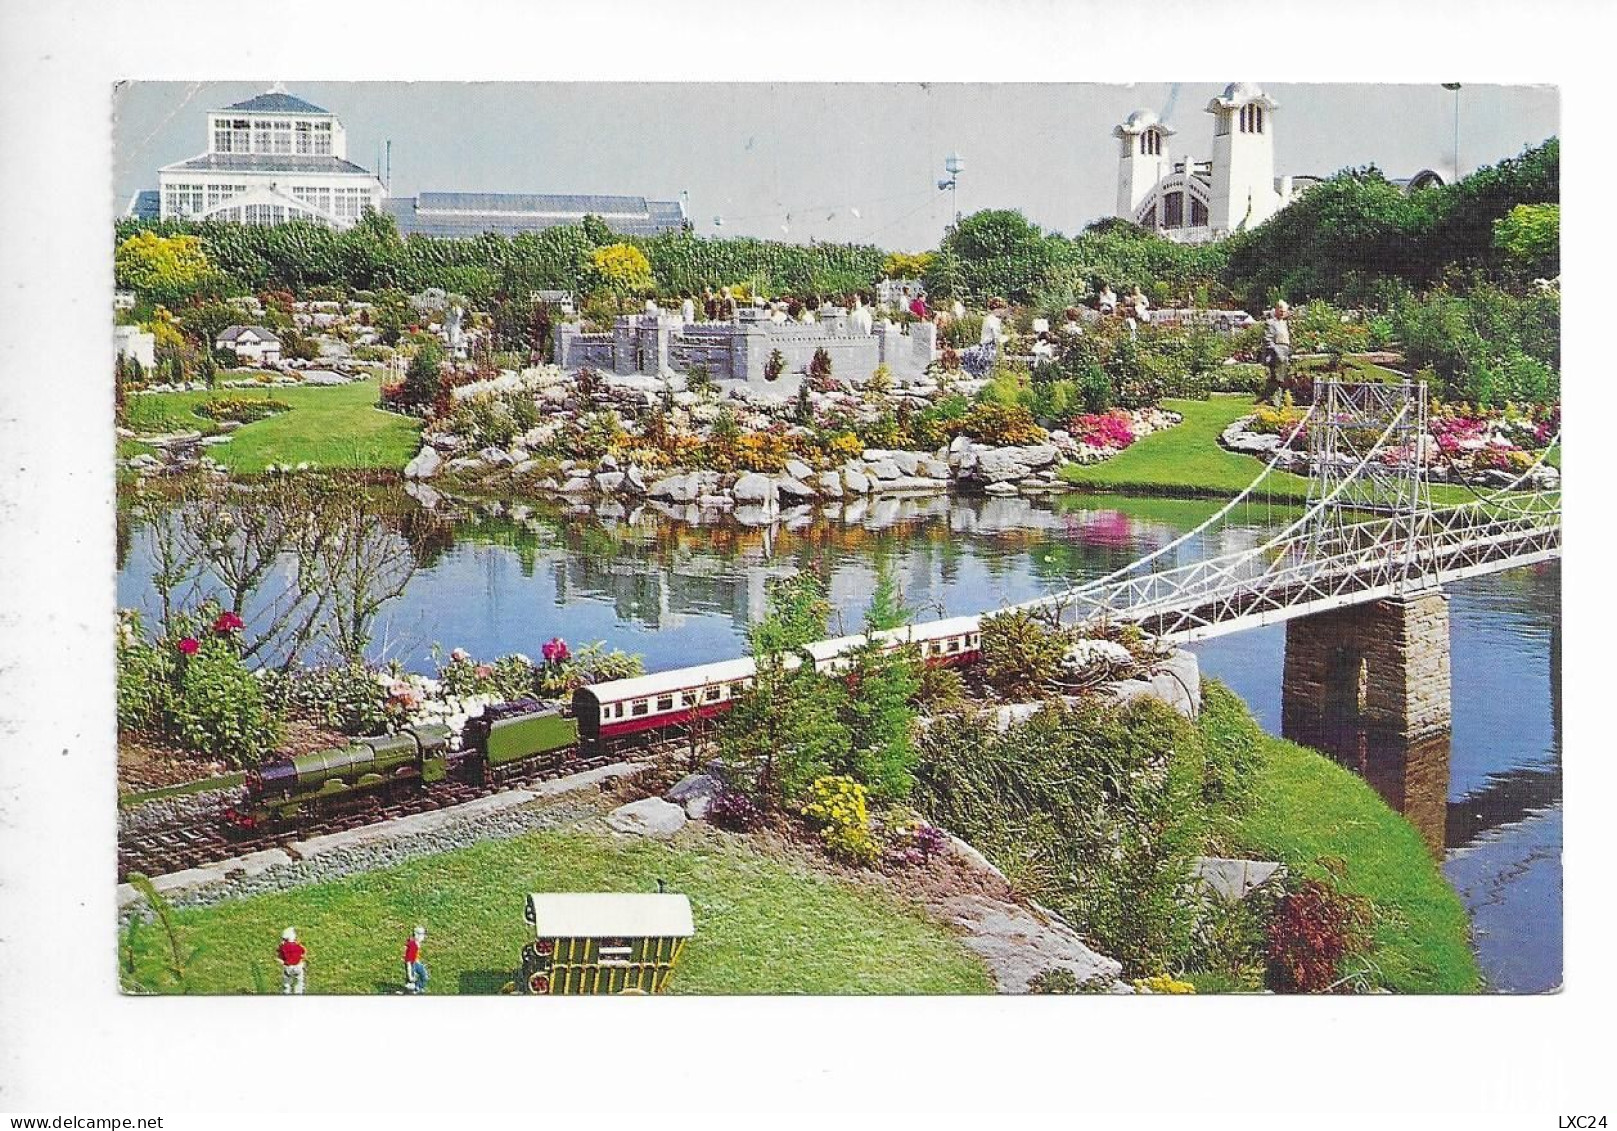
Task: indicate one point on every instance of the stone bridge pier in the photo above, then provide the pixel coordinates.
(1369, 685)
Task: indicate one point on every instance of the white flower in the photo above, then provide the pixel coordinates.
(460, 655)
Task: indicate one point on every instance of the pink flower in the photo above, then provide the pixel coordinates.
(227, 623)
(555, 651)
(484, 671)
(188, 646)
(460, 655)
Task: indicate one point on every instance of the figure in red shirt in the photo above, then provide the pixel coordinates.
(291, 952)
(415, 970)
(918, 307)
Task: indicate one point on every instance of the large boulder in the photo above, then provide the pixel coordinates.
(882, 469)
(856, 482)
(999, 465)
(908, 463)
(696, 793)
(608, 482)
(634, 481)
(797, 469)
(759, 490)
(650, 816)
(794, 488)
(676, 488)
(830, 484)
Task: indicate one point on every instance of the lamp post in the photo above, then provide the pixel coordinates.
(953, 166)
(1455, 87)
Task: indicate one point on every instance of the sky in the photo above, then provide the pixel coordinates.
(840, 162)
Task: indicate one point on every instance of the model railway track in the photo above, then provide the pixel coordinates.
(210, 840)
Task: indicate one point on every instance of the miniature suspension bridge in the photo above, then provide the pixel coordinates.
(1369, 531)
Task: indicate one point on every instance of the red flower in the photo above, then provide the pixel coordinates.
(189, 646)
(227, 622)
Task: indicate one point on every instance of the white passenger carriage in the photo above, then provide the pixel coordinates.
(672, 700)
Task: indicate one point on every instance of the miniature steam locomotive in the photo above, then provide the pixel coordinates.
(527, 735)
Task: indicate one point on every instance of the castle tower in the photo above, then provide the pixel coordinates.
(1243, 191)
(1143, 159)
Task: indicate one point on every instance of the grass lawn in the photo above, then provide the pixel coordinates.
(335, 426)
(763, 925)
(1186, 460)
(1308, 807)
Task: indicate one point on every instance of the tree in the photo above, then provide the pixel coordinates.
(785, 730)
(1530, 237)
(622, 269)
(996, 252)
(165, 269)
(901, 265)
(424, 378)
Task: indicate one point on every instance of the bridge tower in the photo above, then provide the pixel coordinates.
(1369, 684)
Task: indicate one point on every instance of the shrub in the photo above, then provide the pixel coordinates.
(1001, 425)
(1315, 928)
(819, 372)
(346, 697)
(1163, 984)
(1055, 980)
(839, 805)
(1020, 653)
(776, 365)
(734, 810)
(1094, 810)
(219, 707)
(145, 677)
(240, 408)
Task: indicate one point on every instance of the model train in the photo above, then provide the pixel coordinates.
(526, 735)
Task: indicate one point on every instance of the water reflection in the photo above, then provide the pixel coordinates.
(500, 576)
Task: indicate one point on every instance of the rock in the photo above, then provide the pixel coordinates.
(462, 463)
(908, 463)
(1016, 945)
(797, 469)
(998, 465)
(932, 468)
(756, 489)
(675, 488)
(445, 441)
(577, 485)
(495, 456)
(524, 467)
(650, 816)
(1178, 682)
(634, 481)
(1000, 489)
(856, 482)
(608, 482)
(794, 488)
(912, 484)
(1232, 880)
(882, 469)
(609, 462)
(696, 793)
(830, 484)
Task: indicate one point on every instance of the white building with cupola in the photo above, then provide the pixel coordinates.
(1193, 200)
(270, 159)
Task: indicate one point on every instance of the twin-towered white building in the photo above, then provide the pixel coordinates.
(1193, 201)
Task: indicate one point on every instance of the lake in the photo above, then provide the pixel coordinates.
(500, 577)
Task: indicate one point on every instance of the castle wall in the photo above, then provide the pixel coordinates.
(739, 350)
